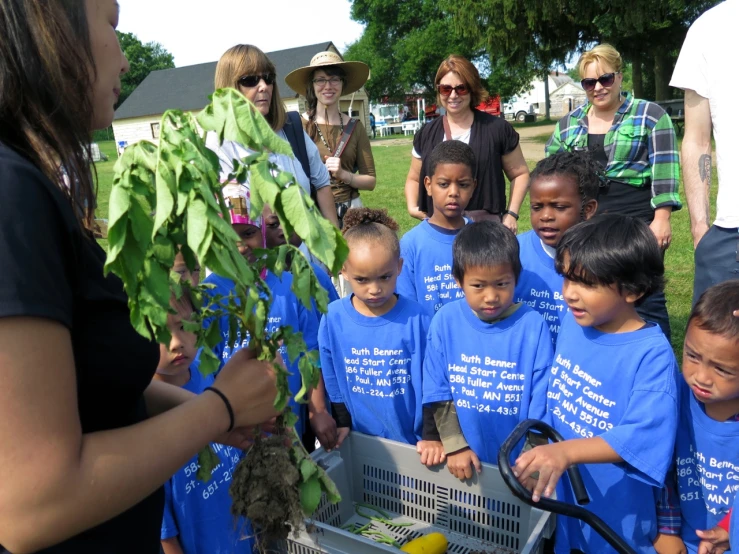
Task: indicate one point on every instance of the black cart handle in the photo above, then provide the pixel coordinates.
(547, 504)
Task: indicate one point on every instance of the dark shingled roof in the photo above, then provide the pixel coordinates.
(187, 88)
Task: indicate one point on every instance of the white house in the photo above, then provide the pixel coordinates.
(187, 88)
(566, 98)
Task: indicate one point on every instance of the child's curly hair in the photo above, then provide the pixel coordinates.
(365, 224)
(581, 166)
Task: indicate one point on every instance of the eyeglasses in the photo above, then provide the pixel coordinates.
(606, 80)
(320, 83)
(446, 90)
(250, 81)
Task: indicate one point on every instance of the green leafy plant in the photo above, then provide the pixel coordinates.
(166, 199)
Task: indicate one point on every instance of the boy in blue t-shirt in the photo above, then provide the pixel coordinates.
(286, 311)
(197, 516)
(427, 248)
(705, 474)
(487, 358)
(612, 391)
(563, 191)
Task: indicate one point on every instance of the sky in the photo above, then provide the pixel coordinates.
(195, 31)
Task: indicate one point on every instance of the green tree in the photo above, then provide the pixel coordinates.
(541, 35)
(404, 43)
(143, 59)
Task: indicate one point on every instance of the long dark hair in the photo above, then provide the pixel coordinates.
(46, 77)
(312, 99)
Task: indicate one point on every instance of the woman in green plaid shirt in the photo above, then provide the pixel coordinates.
(634, 141)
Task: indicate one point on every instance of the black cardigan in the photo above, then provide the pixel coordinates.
(491, 138)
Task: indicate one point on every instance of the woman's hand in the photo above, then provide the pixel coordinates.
(510, 222)
(661, 227)
(334, 167)
(250, 386)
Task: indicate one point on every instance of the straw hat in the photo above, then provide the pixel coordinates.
(357, 73)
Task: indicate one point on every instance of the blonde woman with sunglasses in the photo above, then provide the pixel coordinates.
(634, 142)
(493, 140)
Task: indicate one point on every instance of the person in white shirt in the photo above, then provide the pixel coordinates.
(704, 71)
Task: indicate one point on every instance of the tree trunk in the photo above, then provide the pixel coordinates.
(546, 96)
(661, 79)
(636, 75)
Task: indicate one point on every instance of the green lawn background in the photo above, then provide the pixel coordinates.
(392, 162)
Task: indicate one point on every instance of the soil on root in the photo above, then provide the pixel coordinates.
(264, 489)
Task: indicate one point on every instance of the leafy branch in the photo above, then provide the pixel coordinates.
(167, 198)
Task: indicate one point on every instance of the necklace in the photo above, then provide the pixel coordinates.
(320, 134)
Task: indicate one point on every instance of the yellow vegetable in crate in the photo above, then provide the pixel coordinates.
(433, 543)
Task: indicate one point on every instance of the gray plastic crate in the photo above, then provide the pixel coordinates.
(478, 516)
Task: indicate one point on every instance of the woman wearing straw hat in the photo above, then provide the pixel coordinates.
(341, 140)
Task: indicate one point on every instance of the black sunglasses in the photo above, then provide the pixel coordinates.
(446, 90)
(605, 80)
(250, 81)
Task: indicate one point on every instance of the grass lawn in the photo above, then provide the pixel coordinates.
(392, 162)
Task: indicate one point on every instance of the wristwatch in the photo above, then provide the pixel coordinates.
(513, 214)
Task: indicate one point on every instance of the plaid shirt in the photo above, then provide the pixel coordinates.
(641, 147)
(669, 517)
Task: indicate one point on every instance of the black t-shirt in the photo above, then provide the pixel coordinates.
(50, 268)
(491, 138)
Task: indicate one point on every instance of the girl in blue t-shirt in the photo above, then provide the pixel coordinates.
(612, 391)
(563, 191)
(372, 342)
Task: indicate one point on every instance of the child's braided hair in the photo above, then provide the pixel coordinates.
(363, 224)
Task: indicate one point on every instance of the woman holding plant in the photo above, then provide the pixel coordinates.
(88, 439)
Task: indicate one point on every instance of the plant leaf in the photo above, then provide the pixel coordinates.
(207, 460)
(308, 469)
(310, 495)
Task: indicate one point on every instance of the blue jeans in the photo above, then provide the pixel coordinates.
(654, 309)
(716, 259)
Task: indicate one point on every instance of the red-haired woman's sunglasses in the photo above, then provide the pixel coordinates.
(446, 90)
(606, 80)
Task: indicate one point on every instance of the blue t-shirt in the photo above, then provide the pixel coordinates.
(623, 388)
(199, 514)
(427, 267)
(286, 311)
(374, 365)
(540, 286)
(734, 525)
(706, 467)
(496, 373)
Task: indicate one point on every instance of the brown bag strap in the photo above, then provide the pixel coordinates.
(348, 130)
(447, 129)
